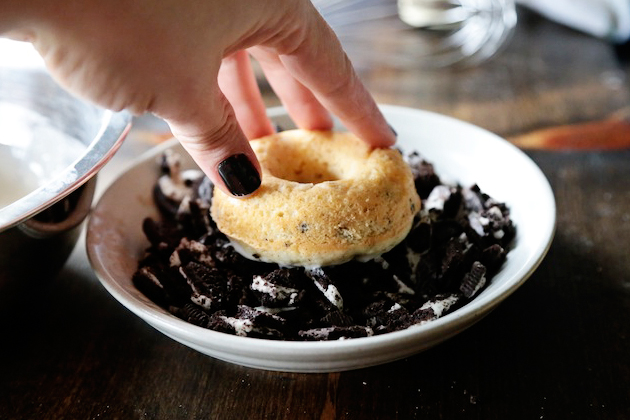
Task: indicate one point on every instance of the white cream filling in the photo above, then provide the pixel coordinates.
(437, 197)
(330, 292)
(151, 277)
(241, 326)
(480, 284)
(275, 311)
(394, 308)
(277, 292)
(402, 287)
(175, 188)
(440, 306)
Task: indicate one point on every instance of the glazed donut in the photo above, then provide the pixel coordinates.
(325, 198)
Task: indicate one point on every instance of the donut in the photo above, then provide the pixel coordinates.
(326, 198)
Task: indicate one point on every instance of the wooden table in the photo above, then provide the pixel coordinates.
(558, 348)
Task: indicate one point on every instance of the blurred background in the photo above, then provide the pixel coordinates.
(526, 66)
(550, 75)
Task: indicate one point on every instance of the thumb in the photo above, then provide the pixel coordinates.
(212, 136)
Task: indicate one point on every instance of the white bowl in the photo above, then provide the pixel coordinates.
(460, 152)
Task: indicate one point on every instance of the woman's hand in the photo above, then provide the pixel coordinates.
(188, 63)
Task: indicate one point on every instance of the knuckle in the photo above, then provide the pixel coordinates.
(211, 138)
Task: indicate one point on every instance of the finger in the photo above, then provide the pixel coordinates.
(238, 83)
(210, 133)
(315, 58)
(300, 103)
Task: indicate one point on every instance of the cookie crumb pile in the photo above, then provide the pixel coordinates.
(458, 242)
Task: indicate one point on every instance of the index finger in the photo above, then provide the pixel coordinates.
(318, 61)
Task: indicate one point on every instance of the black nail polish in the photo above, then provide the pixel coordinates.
(393, 131)
(239, 175)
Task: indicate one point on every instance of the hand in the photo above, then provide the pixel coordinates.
(188, 63)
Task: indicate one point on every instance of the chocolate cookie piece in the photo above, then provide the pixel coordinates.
(276, 290)
(488, 219)
(453, 260)
(193, 314)
(324, 283)
(219, 322)
(197, 217)
(435, 308)
(337, 319)
(191, 251)
(251, 322)
(160, 282)
(386, 316)
(147, 280)
(424, 174)
(227, 258)
(474, 280)
(208, 286)
(163, 236)
(420, 237)
(176, 187)
(493, 257)
(444, 201)
(173, 194)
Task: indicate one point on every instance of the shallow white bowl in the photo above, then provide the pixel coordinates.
(460, 152)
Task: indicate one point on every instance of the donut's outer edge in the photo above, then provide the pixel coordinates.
(326, 223)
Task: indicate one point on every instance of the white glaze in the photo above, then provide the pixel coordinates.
(32, 152)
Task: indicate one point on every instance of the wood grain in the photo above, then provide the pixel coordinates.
(610, 134)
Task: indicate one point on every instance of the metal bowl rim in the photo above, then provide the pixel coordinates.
(113, 129)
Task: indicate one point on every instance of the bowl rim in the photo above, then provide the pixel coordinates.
(446, 325)
(113, 130)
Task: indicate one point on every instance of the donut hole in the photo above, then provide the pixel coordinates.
(305, 172)
(298, 163)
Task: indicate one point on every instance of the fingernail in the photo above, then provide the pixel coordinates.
(393, 131)
(239, 175)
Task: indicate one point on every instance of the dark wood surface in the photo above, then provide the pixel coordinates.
(558, 348)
